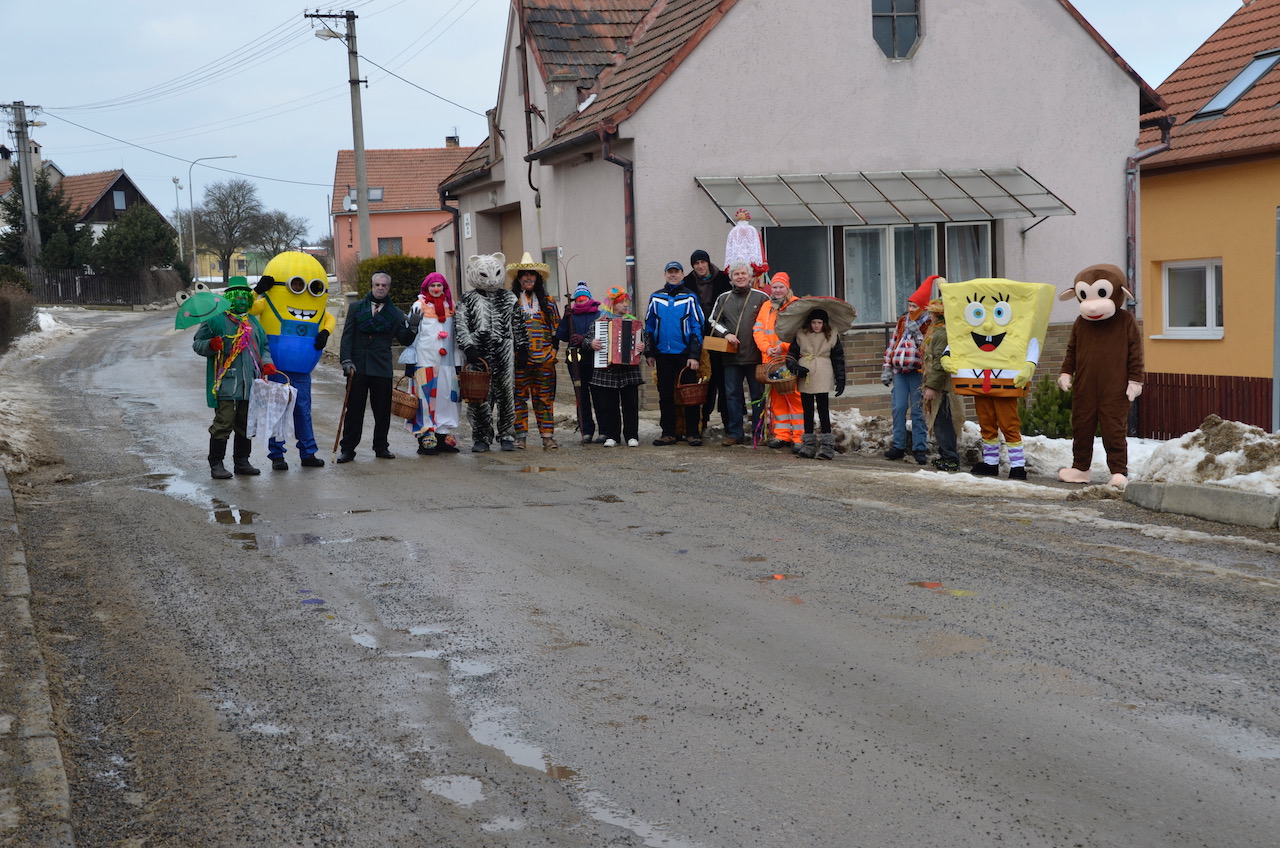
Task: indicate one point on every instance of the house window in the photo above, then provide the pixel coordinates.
(884, 265)
(390, 246)
(375, 194)
(242, 265)
(896, 26)
(968, 251)
(117, 198)
(1193, 299)
(805, 254)
(1240, 85)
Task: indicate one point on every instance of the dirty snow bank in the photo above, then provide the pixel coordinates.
(20, 403)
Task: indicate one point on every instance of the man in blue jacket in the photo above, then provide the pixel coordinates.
(673, 341)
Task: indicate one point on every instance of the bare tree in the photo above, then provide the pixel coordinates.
(227, 220)
(277, 231)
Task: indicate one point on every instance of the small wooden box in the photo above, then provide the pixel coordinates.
(717, 343)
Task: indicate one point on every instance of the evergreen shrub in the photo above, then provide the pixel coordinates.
(1049, 412)
(407, 273)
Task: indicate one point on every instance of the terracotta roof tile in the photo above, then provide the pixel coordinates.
(410, 179)
(475, 165)
(1249, 126)
(581, 37)
(82, 191)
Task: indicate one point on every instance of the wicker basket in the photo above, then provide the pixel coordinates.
(473, 382)
(691, 394)
(403, 404)
(767, 373)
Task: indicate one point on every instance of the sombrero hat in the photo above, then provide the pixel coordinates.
(526, 263)
(793, 316)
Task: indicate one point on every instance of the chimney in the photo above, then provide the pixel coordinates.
(452, 141)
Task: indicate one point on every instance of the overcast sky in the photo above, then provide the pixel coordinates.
(151, 85)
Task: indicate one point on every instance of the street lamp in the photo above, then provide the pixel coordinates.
(177, 211)
(357, 120)
(195, 253)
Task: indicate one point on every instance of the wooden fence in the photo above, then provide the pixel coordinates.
(1173, 404)
(71, 286)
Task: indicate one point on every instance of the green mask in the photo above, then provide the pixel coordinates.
(239, 300)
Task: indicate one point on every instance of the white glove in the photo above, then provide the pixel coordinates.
(1064, 382)
(1132, 391)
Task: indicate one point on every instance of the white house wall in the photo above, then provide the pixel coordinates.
(801, 87)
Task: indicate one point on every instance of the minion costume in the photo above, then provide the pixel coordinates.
(236, 349)
(995, 331)
(292, 296)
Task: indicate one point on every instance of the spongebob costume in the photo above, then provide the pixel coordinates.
(995, 332)
(291, 306)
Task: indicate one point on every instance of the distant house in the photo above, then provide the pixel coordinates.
(95, 199)
(1211, 233)
(404, 200)
(873, 144)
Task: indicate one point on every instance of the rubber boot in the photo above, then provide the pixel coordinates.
(217, 453)
(826, 446)
(240, 456)
(808, 446)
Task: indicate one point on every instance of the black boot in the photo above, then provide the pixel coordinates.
(217, 453)
(240, 456)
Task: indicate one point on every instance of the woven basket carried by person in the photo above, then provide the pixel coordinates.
(473, 382)
(403, 404)
(691, 394)
(778, 374)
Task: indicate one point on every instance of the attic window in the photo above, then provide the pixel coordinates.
(375, 194)
(896, 26)
(1238, 87)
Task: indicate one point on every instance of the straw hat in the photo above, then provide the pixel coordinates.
(526, 263)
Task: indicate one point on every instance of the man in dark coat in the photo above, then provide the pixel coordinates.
(372, 324)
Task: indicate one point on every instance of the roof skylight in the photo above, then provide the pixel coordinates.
(1238, 87)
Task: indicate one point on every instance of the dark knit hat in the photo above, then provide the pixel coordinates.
(815, 314)
(699, 256)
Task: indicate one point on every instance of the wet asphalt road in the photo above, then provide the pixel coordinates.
(679, 647)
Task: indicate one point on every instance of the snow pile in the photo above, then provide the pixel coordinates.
(1220, 453)
(19, 403)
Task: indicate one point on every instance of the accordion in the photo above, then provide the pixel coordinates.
(621, 342)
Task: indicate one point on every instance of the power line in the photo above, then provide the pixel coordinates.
(186, 161)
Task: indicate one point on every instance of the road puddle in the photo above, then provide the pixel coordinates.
(225, 513)
(460, 789)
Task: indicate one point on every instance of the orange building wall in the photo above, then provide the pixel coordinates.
(414, 228)
(1226, 212)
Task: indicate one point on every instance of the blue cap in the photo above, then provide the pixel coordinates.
(673, 266)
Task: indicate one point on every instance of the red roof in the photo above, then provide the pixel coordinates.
(409, 179)
(1249, 126)
(81, 191)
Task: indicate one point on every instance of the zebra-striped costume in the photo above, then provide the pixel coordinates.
(489, 323)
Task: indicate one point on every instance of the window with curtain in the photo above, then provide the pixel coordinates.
(968, 252)
(884, 265)
(895, 24)
(1193, 299)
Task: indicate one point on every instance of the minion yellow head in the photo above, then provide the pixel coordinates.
(292, 311)
(995, 328)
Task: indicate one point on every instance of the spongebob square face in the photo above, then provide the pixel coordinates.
(994, 329)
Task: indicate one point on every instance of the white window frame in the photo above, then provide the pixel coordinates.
(1212, 271)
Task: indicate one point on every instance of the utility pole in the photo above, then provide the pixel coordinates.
(177, 205)
(27, 174)
(357, 122)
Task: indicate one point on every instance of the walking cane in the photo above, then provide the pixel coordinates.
(343, 417)
(573, 359)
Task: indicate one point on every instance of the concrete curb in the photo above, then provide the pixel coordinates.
(37, 800)
(1213, 503)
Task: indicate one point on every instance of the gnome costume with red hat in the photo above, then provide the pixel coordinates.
(902, 372)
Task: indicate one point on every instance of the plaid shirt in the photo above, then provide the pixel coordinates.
(903, 355)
